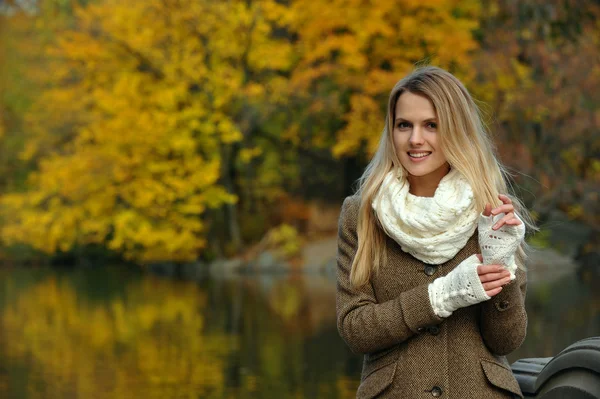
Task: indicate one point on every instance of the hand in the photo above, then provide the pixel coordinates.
(500, 234)
(492, 277)
(460, 288)
(507, 208)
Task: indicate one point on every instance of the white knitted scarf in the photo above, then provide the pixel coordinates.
(432, 229)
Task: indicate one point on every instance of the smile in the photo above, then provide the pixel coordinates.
(418, 154)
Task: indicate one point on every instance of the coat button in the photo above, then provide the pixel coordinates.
(434, 330)
(429, 270)
(436, 392)
(503, 305)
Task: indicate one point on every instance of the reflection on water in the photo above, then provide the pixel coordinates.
(113, 333)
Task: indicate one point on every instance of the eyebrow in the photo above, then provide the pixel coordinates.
(425, 120)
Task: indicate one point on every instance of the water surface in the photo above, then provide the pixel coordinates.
(115, 333)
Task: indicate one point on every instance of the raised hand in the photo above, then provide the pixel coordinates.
(507, 209)
(500, 234)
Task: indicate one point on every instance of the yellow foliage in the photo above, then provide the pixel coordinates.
(364, 47)
(575, 211)
(595, 169)
(285, 239)
(128, 138)
(247, 154)
(572, 157)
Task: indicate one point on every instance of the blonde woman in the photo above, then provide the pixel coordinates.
(430, 282)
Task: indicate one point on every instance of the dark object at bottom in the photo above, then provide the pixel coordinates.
(573, 373)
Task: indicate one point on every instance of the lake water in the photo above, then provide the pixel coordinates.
(116, 333)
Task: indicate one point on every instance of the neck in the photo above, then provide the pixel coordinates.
(425, 186)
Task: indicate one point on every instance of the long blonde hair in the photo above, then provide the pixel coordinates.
(465, 143)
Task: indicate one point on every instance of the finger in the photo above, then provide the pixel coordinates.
(489, 277)
(514, 222)
(479, 257)
(501, 222)
(485, 269)
(506, 208)
(487, 210)
(493, 292)
(490, 285)
(505, 198)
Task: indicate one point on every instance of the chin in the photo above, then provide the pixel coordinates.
(421, 172)
(418, 174)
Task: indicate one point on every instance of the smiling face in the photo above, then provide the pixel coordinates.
(417, 144)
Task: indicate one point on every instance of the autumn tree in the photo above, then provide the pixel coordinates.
(172, 129)
(352, 53)
(133, 139)
(540, 72)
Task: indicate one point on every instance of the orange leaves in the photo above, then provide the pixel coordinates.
(364, 118)
(135, 115)
(363, 48)
(147, 103)
(129, 140)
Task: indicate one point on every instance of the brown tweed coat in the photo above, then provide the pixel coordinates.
(411, 353)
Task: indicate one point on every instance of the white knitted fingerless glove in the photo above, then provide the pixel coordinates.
(498, 247)
(458, 289)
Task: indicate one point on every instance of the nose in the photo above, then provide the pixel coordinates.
(416, 137)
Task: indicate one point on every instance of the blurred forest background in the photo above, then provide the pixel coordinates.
(179, 130)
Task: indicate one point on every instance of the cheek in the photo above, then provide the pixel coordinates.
(395, 140)
(438, 147)
(398, 151)
(440, 155)
(434, 142)
(432, 139)
(398, 139)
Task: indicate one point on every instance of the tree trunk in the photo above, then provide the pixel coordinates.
(231, 213)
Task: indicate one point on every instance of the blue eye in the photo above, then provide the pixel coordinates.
(403, 125)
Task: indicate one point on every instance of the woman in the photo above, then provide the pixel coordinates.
(429, 284)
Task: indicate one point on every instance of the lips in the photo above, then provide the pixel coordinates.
(419, 154)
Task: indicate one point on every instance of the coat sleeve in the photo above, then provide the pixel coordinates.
(504, 319)
(366, 325)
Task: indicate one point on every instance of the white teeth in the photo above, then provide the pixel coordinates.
(419, 154)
